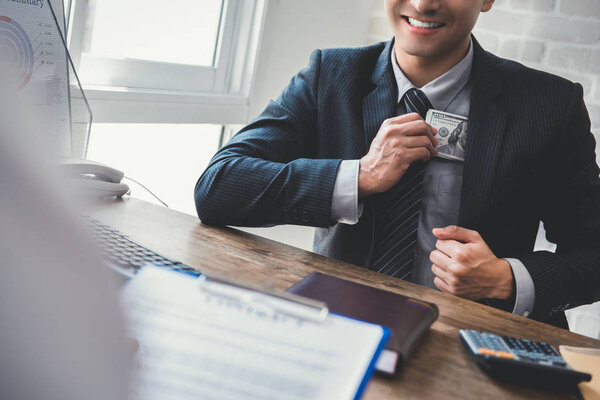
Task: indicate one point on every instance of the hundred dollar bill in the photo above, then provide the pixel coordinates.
(452, 133)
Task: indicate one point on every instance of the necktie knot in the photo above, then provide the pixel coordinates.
(416, 101)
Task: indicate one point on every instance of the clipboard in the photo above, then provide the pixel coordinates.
(214, 337)
(288, 303)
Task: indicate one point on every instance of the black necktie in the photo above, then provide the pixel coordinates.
(397, 210)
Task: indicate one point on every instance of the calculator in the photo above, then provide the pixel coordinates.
(521, 361)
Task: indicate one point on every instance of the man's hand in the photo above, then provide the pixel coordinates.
(465, 266)
(399, 142)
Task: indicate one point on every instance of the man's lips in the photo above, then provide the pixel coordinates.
(419, 24)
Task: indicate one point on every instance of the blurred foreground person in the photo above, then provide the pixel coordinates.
(61, 334)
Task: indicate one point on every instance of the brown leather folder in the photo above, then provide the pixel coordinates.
(407, 318)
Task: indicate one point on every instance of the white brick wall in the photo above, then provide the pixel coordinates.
(558, 36)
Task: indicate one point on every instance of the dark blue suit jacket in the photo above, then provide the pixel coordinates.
(530, 157)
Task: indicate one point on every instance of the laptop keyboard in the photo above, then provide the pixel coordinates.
(128, 256)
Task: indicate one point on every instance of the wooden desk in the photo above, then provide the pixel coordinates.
(440, 368)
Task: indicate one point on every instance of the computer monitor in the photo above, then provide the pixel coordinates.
(34, 60)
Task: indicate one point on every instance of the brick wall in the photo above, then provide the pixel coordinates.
(558, 36)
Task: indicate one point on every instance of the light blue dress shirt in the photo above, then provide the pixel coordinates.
(442, 182)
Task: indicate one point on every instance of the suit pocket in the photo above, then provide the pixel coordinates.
(449, 185)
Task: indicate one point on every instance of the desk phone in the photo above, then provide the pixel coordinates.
(521, 361)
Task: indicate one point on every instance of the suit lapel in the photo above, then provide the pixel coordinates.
(380, 103)
(487, 123)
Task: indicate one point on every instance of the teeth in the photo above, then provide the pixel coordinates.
(422, 24)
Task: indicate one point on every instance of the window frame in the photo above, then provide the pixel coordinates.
(145, 92)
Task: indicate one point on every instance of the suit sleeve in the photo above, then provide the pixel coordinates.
(268, 173)
(571, 215)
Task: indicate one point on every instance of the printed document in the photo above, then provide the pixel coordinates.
(198, 344)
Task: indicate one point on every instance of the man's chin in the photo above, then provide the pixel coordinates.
(419, 50)
(425, 49)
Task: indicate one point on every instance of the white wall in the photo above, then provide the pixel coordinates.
(293, 29)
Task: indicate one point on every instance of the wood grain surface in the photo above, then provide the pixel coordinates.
(439, 369)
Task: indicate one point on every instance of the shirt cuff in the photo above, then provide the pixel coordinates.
(344, 204)
(525, 290)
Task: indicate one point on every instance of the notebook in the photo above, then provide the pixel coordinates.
(407, 318)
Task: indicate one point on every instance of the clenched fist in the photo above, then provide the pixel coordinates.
(465, 266)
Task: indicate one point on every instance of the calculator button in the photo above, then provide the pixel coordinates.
(503, 354)
(487, 352)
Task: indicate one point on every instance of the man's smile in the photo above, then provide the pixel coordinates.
(422, 24)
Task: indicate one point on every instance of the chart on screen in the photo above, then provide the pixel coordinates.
(33, 64)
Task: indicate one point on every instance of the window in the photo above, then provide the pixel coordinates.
(155, 61)
(162, 77)
(130, 30)
(148, 44)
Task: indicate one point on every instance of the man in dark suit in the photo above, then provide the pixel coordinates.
(345, 149)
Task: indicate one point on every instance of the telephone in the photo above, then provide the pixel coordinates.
(93, 178)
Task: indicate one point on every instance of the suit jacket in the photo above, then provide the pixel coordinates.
(530, 157)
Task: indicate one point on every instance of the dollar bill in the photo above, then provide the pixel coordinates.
(451, 135)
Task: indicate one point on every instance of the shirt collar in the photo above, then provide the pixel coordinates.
(442, 90)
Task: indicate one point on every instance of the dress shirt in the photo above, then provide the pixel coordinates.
(442, 182)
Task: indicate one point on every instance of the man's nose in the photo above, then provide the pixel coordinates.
(425, 6)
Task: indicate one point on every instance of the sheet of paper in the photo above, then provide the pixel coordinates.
(198, 345)
(586, 360)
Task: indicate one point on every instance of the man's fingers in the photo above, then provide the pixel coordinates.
(403, 118)
(442, 274)
(408, 155)
(451, 256)
(416, 154)
(449, 247)
(456, 233)
(414, 128)
(418, 141)
(440, 259)
(440, 284)
(458, 252)
(410, 128)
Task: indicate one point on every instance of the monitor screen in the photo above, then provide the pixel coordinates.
(35, 63)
